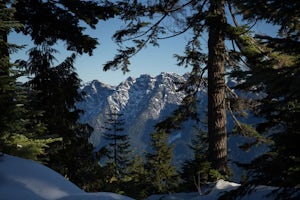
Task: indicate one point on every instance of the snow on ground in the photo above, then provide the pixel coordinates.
(22, 179)
(220, 187)
(259, 193)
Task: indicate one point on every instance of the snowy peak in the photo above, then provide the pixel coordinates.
(95, 86)
(130, 96)
(143, 101)
(93, 94)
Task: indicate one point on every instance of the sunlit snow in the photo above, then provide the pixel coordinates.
(22, 179)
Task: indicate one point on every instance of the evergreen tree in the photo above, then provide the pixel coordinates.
(119, 146)
(280, 80)
(125, 173)
(26, 139)
(55, 87)
(20, 129)
(217, 136)
(135, 185)
(273, 69)
(146, 26)
(7, 81)
(161, 173)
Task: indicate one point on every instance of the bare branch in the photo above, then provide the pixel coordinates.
(198, 183)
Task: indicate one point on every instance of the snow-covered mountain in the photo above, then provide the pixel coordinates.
(144, 102)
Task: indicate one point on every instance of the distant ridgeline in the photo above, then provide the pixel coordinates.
(144, 102)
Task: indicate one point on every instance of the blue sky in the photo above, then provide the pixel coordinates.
(152, 60)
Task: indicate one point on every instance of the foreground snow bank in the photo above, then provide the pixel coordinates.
(22, 179)
(220, 187)
(259, 193)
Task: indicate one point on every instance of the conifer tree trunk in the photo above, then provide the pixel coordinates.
(216, 87)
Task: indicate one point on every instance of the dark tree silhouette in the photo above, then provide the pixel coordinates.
(119, 146)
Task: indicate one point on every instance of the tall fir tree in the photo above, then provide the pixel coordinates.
(146, 26)
(20, 129)
(217, 135)
(215, 21)
(56, 88)
(7, 81)
(48, 22)
(119, 144)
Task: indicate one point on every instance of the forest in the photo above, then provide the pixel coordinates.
(39, 119)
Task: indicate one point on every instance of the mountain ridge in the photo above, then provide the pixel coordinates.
(143, 101)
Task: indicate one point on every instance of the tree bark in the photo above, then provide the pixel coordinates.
(217, 136)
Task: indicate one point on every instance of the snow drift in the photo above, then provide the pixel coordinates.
(22, 179)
